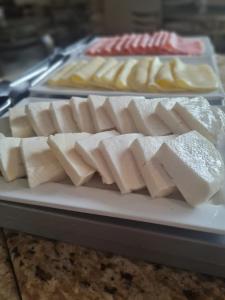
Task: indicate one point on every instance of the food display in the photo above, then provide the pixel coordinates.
(125, 114)
(189, 162)
(145, 75)
(161, 42)
(163, 144)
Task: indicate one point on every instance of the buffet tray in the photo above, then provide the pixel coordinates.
(164, 231)
(215, 96)
(186, 249)
(99, 199)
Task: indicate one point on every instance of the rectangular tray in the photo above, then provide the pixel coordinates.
(196, 251)
(97, 200)
(137, 207)
(42, 89)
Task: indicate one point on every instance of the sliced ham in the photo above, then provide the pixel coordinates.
(118, 47)
(160, 42)
(143, 43)
(107, 50)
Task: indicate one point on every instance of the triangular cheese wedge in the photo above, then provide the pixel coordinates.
(198, 115)
(145, 118)
(157, 180)
(39, 117)
(164, 109)
(195, 166)
(81, 114)
(40, 163)
(19, 123)
(117, 154)
(88, 149)
(63, 147)
(99, 116)
(62, 117)
(117, 109)
(11, 163)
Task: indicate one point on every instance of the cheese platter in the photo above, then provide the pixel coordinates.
(102, 199)
(170, 228)
(47, 86)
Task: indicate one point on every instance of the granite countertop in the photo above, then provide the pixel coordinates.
(46, 269)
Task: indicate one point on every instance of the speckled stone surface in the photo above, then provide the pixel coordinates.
(54, 270)
(8, 290)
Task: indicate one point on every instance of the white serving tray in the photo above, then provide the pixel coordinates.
(43, 89)
(97, 199)
(138, 207)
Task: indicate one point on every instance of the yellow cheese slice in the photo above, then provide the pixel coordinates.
(65, 79)
(84, 74)
(165, 79)
(139, 75)
(199, 77)
(121, 81)
(153, 71)
(54, 80)
(107, 66)
(109, 77)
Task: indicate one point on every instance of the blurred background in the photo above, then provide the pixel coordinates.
(31, 29)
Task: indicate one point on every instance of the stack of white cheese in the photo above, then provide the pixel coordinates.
(126, 114)
(188, 162)
(163, 144)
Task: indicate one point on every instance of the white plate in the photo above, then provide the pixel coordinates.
(164, 211)
(43, 89)
(96, 199)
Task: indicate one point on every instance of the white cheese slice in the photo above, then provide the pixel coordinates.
(157, 180)
(117, 154)
(81, 114)
(220, 116)
(145, 118)
(40, 163)
(100, 118)
(11, 163)
(117, 108)
(194, 164)
(199, 116)
(88, 149)
(63, 147)
(62, 117)
(19, 123)
(171, 118)
(39, 116)
(121, 81)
